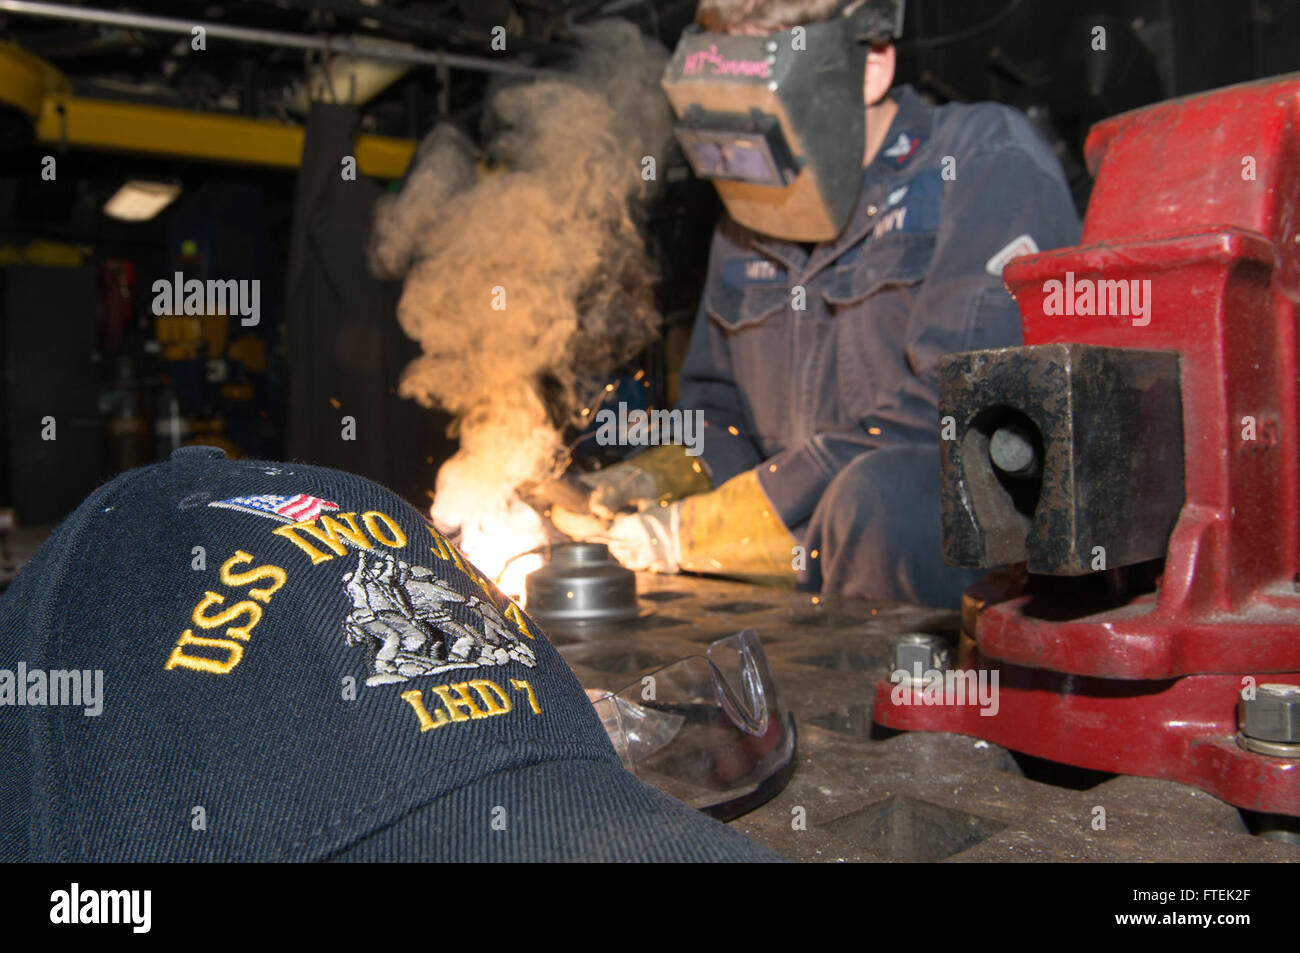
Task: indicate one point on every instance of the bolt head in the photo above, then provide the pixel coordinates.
(1272, 715)
(912, 648)
(1012, 450)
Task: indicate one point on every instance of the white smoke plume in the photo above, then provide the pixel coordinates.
(524, 285)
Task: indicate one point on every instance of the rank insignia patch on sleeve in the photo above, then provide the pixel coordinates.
(1017, 247)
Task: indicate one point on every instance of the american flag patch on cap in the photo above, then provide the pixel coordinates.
(286, 509)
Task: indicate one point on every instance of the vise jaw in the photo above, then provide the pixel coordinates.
(1066, 457)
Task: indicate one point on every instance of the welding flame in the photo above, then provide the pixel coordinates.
(533, 278)
(502, 445)
(501, 544)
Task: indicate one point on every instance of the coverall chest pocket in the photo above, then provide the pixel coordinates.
(758, 327)
(871, 297)
(897, 260)
(736, 308)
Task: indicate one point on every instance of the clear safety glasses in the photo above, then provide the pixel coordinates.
(709, 730)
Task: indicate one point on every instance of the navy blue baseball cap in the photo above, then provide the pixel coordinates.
(228, 660)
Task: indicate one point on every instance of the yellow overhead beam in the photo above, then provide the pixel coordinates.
(29, 83)
(25, 79)
(159, 130)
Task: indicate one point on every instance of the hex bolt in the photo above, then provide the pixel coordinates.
(910, 648)
(1273, 715)
(1012, 450)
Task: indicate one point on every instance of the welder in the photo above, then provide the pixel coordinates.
(865, 235)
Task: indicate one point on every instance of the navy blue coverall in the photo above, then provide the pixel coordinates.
(817, 367)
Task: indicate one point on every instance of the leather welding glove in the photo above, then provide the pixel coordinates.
(731, 531)
(662, 473)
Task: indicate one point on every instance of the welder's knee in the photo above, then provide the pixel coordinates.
(876, 531)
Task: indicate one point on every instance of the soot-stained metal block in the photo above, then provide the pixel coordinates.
(1057, 450)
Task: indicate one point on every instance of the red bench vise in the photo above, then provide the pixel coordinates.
(1137, 465)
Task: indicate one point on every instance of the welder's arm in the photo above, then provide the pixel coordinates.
(997, 195)
(668, 473)
(730, 531)
(658, 475)
(706, 383)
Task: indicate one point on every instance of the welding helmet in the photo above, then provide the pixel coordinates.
(777, 121)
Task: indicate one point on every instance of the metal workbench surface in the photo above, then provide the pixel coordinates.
(869, 794)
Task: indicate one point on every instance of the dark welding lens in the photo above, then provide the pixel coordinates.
(728, 155)
(742, 147)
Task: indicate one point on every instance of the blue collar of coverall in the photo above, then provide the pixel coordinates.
(907, 136)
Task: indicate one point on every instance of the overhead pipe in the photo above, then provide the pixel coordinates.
(358, 46)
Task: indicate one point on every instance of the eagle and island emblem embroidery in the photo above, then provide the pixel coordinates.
(403, 614)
